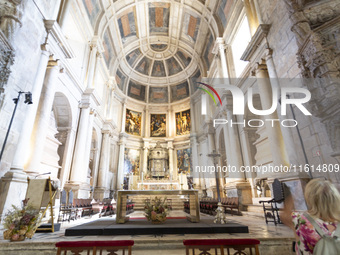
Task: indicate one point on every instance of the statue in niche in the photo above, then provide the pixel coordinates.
(10, 16)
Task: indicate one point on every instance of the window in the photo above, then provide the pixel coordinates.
(239, 44)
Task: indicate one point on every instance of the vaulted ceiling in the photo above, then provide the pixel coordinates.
(156, 49)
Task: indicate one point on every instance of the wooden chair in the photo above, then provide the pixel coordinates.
(270, 208)
(94, 247)
(218, 246)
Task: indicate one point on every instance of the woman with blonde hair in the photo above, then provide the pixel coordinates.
(323, 201)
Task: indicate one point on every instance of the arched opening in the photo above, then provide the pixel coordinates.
(61, 112)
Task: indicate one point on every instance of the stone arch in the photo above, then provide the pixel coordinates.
(62, 112)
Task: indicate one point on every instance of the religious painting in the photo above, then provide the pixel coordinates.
(133, 122)
(158, 95)
(158, 125)
(184, 164)
(131, 161)
(136, 91)
(179, 92)
(183, 122)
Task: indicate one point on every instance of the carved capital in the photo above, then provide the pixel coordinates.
(268, 54)
(219, 46)
(259, 67)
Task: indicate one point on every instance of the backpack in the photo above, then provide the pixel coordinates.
(327, 245)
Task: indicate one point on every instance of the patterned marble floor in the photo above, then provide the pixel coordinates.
(276, 235)
(257, 229)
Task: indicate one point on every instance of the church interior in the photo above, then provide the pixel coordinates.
(111, 103)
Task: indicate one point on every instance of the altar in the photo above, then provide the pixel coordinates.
(122, 197)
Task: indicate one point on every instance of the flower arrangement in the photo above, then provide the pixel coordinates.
(21, 222)
(156, 210)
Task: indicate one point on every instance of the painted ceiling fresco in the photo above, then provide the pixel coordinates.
(136, 91)
(120, 79)
(183, 57)
(208, 56)
(144, 66)
(173, 66)
(127, 24)
(92, 9)
(155, 59)
(158, 69)
(133, 56)
(108, 49)
(158, 47)
(223, 11)
(194, 79)
(158, 95)
(179, 92)
(191, 25)
(159, 14)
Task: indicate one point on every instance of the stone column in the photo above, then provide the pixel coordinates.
(170, 125)
(123, 116)
(219, 48)
(279, 154)
(211, 149)
(68, 152)
(120, 174)
(43, 117)
(104, 165)
(78, 173)
(247, 155)
(13, 184)
(234, 143)
(171, 158)
(21, 154)
(91, 65)
(109, 106)
(194, 152)
(87, 152)
(146, 122)
(145, 158)
(286, 132)
(228, 148)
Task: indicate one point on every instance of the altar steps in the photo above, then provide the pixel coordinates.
(177, 202)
